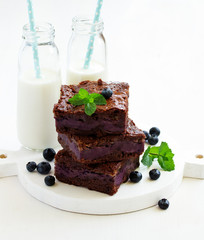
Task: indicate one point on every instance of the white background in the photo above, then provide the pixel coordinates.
(158, 47)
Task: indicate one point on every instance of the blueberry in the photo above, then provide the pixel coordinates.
(43, 167)
(49, 154)
(153, 140)
(107, 93)
(135, 176)
(49, 180)
(163, 203)
(31, 166)
(155, 131)
(154, 174)
(146, 135)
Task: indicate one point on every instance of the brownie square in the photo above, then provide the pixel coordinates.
(92, 149)
(104, 177)
(107, 119)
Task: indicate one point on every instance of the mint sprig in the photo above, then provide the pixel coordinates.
(89, 100)
(162, 153)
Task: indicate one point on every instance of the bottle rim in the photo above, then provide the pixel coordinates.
(85, 25)
(43, 30)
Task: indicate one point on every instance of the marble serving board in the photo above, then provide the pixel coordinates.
(130, 197)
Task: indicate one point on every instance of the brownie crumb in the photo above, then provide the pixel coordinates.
(199, 156)
(100, 82)
(3, 156)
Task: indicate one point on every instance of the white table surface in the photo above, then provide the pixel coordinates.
(157, 46)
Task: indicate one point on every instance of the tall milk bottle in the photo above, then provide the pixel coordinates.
(36, 95)
(86, 51)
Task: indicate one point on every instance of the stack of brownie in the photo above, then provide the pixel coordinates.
(101, 150)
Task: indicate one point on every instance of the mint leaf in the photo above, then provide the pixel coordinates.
(166, 161)
(163, 148)
(168, 165)
(163, 154)
(146, 152)
(90, 108)
(147, 159)
(76, 100)
(100, 100)
(83, 93)
(89, 100)
(97, 98)
(161, 162)
(94, 95)
(79, 98)
(154, 150)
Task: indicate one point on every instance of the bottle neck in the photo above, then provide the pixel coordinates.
(85, 25)
(44, 33)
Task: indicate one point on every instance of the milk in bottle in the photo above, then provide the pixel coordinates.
(37, 96)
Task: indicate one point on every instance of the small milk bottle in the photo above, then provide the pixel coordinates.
(37, 96)
(86, 35)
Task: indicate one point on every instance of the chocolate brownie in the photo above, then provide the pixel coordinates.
(91, 149)
(104, 177)
(107, 119)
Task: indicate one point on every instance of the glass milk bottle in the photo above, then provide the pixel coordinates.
(37, 96)
(86, 51)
